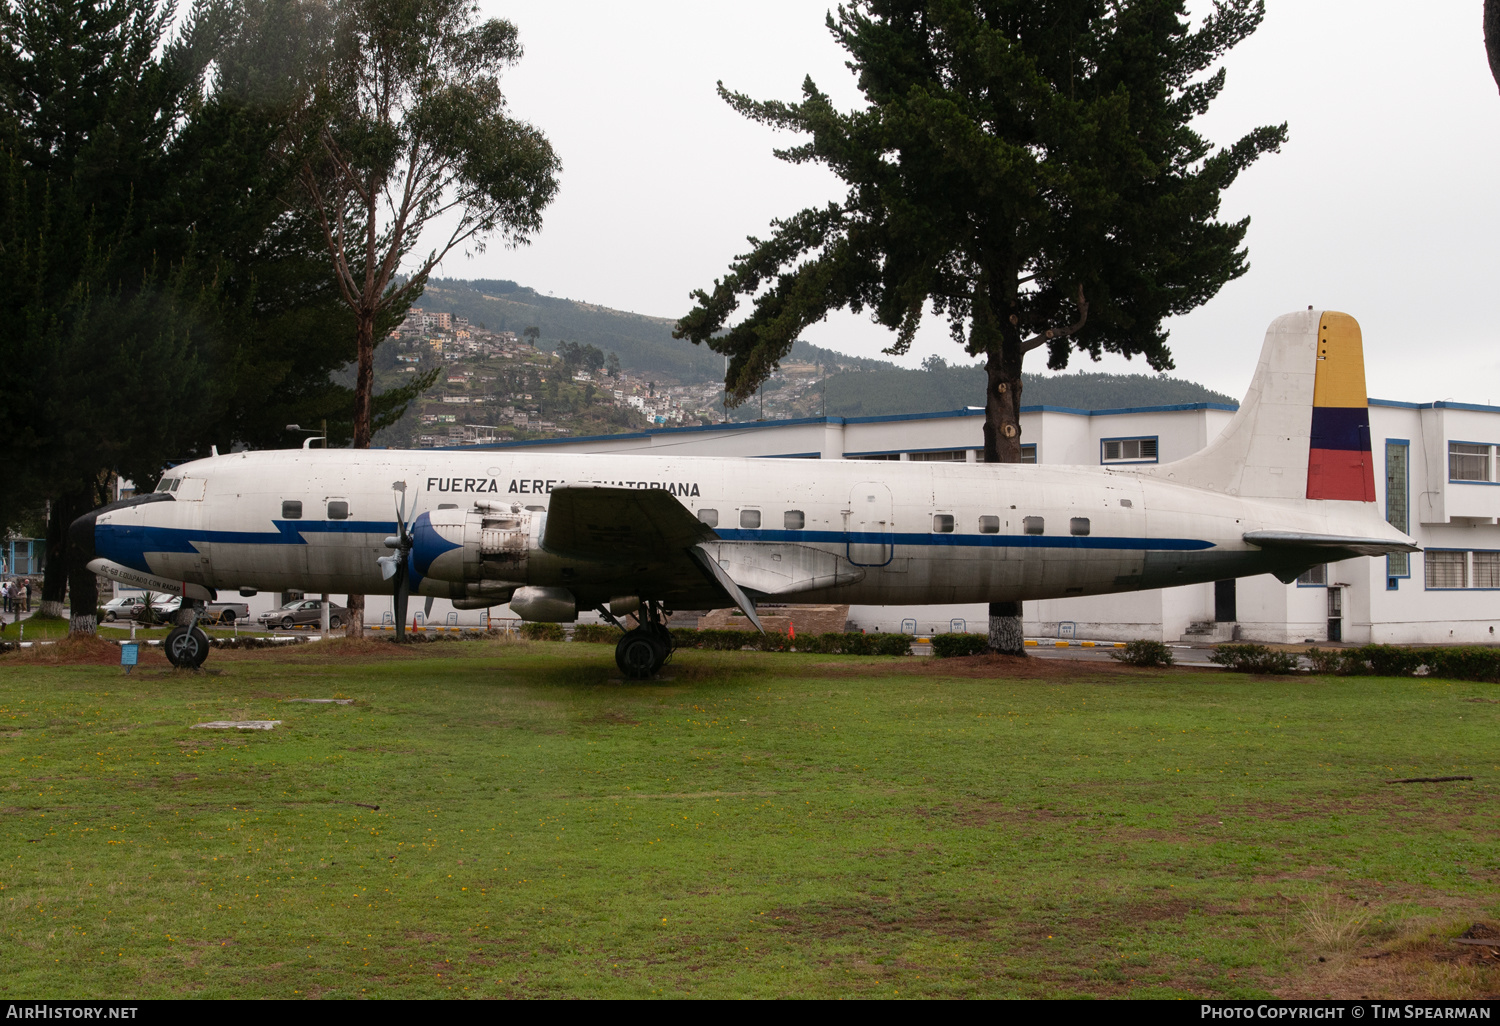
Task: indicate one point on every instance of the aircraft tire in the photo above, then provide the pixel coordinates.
(639, 655)
(187, 647)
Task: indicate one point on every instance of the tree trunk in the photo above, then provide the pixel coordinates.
(1002, 441)
(364, 394)
(83, 586)
(56, 577)
(1492, 36)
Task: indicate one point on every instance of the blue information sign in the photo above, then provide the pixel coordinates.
(129, 653)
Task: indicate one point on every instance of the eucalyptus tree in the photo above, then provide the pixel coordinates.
(1025, 169)
(405, 141)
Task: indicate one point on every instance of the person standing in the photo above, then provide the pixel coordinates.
(5, 596)
(28, 594)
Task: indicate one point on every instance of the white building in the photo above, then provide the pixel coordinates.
(1441, 484)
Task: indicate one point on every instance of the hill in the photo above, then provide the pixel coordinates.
(896, 390)
(851, 386)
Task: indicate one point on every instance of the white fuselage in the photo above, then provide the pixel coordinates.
(909, 533)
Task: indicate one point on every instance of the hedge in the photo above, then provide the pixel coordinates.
(597, 633)
(1455, 663)
(851, 643)
(542, 632)
(947, 646)
(1254, 659)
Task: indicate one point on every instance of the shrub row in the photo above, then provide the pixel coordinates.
(1467, 663)
(948, 646)
(1254, 659)
(1143, 653)
(837, 643)
(214, 641)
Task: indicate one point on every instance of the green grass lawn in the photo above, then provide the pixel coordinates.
(758, 825)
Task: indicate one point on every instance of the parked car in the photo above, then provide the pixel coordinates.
(304, 613)
(126, 607)
(165, 605)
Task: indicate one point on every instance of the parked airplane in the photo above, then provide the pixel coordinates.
(1289, 484)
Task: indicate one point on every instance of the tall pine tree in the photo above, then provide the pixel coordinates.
(1026, 169)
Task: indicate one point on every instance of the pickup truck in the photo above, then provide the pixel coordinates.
(226, 612)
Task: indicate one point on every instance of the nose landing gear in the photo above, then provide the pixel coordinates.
(643, 651)
(187, 646)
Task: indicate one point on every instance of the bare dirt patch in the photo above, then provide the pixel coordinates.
(82, 650)
(1426, 966)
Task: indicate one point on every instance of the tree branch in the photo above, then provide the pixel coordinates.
(1053, 334)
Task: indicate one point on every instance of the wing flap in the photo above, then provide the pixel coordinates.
(606, 524)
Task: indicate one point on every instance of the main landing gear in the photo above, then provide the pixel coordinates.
(643, 651)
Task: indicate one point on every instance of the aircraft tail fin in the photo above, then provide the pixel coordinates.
(1303, 430)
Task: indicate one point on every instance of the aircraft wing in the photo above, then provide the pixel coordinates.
(606, 524)
(1333, 546)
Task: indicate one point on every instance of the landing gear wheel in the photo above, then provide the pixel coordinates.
(639, 654)
(664, 641)
(186, 647)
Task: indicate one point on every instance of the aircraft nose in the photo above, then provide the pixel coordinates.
(119, 544)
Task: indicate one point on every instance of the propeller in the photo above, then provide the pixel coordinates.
(393, 567)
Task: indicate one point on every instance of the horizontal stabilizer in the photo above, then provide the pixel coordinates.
(1333, 545)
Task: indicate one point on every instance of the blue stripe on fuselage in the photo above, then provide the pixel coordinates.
(128, 544)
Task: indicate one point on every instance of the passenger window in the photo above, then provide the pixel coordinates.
(709, 517)
(338, 510)
(1079, 526)
(794, 520)
(989, 525)
(749, 519)
(942, 523)
(1033, 525)
(291, 510)
(447, 505)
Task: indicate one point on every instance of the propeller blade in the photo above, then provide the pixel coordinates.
(388, 566)
(427, 609)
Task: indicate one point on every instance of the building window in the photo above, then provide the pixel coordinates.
(947, 456)
(709, 517)
(1317, 577)
(749, 519)
(1487, 569)
(1033, 525)
(1397, 513)
(942, 523)
(1028, 453)
(338, 510)
(1128, 450)
(794, 520)
(291, 509)
(989, 525)
(1469, 461)
(1078, 526)
(1446, 569)
(876, 456)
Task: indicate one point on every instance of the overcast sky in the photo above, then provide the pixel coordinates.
(1383, 203)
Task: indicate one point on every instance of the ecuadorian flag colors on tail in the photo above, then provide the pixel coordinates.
(1339, 462)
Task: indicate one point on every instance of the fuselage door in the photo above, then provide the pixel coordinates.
(872, 527)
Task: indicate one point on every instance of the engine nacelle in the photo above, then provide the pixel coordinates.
(547, 605)
(489, 546)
